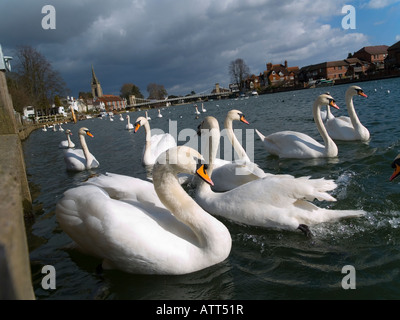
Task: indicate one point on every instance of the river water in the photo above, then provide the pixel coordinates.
(264, 264)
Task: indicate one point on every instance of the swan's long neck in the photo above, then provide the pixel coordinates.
(86, 152)
(69, 141)
(147, 150)
(234, 141)
(351, 111)
(129, 120)
(185, 209)
(330, 146)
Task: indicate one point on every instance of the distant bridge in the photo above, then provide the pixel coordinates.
(146, 102)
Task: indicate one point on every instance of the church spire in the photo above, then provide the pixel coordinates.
(97, 92)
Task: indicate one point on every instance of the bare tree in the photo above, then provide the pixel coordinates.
(156, 91)
(37, 78)
(239, 71)
(128, 89)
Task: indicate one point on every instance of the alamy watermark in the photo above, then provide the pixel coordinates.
(49, 280)
(349, 281)
(49, 20)
(349, 20)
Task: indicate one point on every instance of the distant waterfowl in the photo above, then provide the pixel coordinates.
(129, 125)
(159, 114)
(120, 117)
(139, 237)
(155, 144)
(202, 108)
(347, 128)
(275, 201)
(297, 145)
(67, 143)
(60, 128)
(147, 117)
(80, 159)
(44, 128)
(197, 110)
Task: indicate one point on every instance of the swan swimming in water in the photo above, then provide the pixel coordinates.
(231, 174)
(155, 144)
(80, 159)
(275, 201)
(347, 128)
(396, 167)
(139, 236)
(67, 143)
(129, 125)
(297, 145)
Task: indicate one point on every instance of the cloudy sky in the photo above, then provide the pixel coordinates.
(187, 45)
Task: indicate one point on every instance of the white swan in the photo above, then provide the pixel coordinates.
(44, 128)
(67, 143)
(231, 174)
(120, 117)
(129, 125)
(60, 128)
(139, 237)
(159, 114)
(147, 117)
(197, 110)
(202, 108)
(348, 128)
(275, 201)
(396, 167)
(155, 144)
(297, 145)
(80, 159)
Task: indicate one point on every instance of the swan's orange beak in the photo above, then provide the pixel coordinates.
(202, 173)
(396, 167)
(89, 134)
(137, 126)
(243, 119)
(332, 103)
(362, 94)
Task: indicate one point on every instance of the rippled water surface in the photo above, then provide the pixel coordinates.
(263, 264)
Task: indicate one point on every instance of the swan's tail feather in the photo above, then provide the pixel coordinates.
(260, 134)
(316, 188)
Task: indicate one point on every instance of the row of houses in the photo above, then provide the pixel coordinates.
(365, 62)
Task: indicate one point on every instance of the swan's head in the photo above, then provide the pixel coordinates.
(396, 167)
(356, 91)
(207, 124)
(85, 131)
(182, 159)
(326, 99)
(237, 115)
(68, 132)
(140, 122)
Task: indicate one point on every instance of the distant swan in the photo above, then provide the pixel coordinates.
(67, 143)
(159, 114)
(347, 128)
(202, 108)
(129, 125)
(297, 145)
(141, 237)
(80, 159)
(275, 201)
(147, 117)
(197, 110)
(155, 144)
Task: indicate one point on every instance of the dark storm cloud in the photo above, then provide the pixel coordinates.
(183, 45)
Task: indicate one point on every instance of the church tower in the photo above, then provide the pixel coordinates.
(97, 92)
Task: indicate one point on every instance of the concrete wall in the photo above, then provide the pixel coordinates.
(15, 199)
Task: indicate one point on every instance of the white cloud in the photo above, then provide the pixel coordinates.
(378, 4)
(398, 37)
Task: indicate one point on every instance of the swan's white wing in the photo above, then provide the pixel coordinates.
(291, 144)
(75, 159)
(161, 143)
(128, 235)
